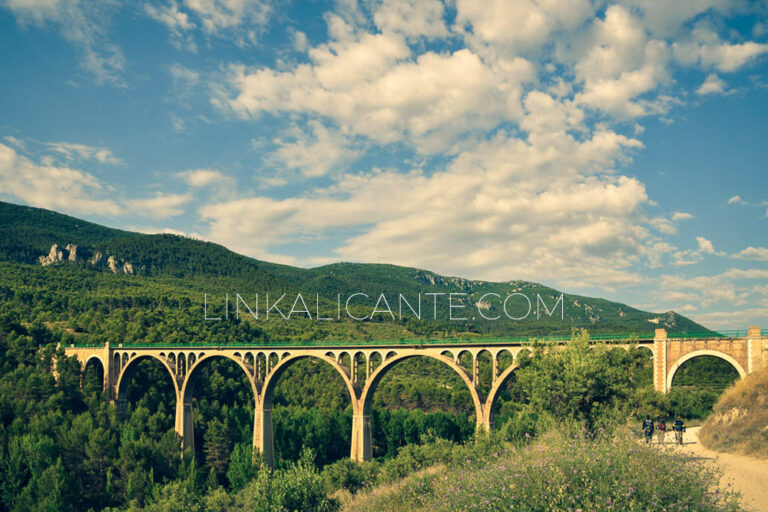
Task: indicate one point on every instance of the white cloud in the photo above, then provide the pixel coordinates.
(753, 253)
(177, 21)
(202, 178)
(666, 19)
(412, 18)
(663, 225)
(712, 85)
(59, 187)
(48, 186)
(620, 65)
(705, 246)
(85, 25)
(706, 49)
(520, 26)
(160, 206)
(736, 200)
(315, 154)
(677, 216)
(739, 318)
(242, 20)
(509, 207)
(370, 84)
(83, 152)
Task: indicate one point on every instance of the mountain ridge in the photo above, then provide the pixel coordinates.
(28, 233)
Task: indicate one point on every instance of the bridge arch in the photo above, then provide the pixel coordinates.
(366, 397)
(101, 369)
(193, 372)
(184, 413)
(129, 369)
(493, 394)
(704, 352)
(271, 380)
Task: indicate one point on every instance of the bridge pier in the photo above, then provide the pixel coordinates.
(185, 426)
(263, 439)
(361, 438)
(485, 422)
(660, 360)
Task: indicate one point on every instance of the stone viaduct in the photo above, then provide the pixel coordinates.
(362, 367)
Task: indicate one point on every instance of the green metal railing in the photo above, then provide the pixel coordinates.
(398, 342)
(708, 334)
(559, 338)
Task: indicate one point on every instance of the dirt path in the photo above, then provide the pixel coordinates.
(748, 475)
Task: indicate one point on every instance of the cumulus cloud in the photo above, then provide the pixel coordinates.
(705, 246)
(710, 299)
(537, 208)
(49, 186)
(201, 178)
(712, 85)
(412, 18)
(317, 153)
(58, 186)
(160, 206)
(708, 50)
(676, 216)
(525, 129)
(621, 65)
(522, 26)
(736, 200)
(753, 253)
(371, 84)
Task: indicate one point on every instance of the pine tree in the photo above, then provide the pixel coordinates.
(216, 446)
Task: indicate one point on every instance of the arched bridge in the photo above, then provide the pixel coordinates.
(361, 366)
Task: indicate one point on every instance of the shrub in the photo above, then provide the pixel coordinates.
(350, 475)
(298, 487)
(561, 472)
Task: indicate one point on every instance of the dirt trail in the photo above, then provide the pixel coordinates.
(748, 475)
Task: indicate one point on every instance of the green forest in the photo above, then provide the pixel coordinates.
(65, 446)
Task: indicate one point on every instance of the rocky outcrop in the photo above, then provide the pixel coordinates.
(55, 255)
(69, 255)
(481, 304)
(117, 265)
(112, 264)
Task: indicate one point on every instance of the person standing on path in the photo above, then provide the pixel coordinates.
(679, 428)
(648, 429)
(661, 430)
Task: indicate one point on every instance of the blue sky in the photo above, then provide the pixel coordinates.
(609, 149)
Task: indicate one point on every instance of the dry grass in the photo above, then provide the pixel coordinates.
(356, 502)
(739, 421)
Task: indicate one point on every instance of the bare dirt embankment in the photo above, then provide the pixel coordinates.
(747, 475)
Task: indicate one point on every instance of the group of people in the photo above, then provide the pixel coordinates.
(661, 429)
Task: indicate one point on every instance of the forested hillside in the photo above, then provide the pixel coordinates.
(177, 271)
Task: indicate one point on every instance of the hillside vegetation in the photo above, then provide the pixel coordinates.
(559, 472)
(168, 271)
(739, 421)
